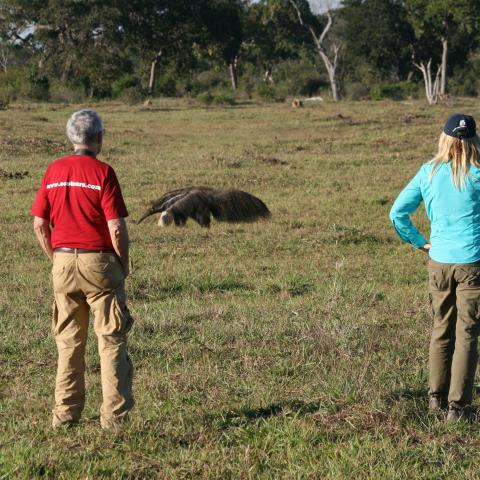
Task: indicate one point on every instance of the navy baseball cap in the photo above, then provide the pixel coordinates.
(460, 126)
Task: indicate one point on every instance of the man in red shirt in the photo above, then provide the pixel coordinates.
(79, 222)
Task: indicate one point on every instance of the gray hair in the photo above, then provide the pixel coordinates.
(84, 126)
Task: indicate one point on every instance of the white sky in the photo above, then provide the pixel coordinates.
(320, 5)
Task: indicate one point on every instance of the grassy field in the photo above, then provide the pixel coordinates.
(293, 348)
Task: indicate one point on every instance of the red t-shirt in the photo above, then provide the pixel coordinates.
(77, 196)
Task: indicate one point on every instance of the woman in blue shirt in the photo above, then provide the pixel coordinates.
(449, 186)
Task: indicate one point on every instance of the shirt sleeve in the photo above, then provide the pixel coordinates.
(41, 205)
(112, 202)
(405, 204)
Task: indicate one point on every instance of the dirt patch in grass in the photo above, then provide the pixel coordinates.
(27, 145)
(12, 175)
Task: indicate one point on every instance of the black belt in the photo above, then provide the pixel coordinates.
(80, 250)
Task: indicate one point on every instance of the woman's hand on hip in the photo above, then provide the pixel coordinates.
(425, 248)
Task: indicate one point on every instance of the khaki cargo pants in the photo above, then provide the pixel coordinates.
(84, 281)
(455, 299)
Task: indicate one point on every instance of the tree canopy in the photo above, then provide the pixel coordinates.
(273, 48)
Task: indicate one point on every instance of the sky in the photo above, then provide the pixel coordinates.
(321, 5)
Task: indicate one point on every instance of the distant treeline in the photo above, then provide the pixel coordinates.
(221, 50)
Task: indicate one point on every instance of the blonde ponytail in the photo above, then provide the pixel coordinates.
(461, 153)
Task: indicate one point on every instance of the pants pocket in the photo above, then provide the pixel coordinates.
(125, 317)
(437, 280)
(469, 276)
(113, 317)
(102, 271)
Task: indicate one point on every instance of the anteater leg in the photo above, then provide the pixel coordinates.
(165, 219)
(203, 218)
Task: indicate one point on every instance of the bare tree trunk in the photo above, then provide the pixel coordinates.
(232, 68)
(329, 62)
(331, 71)
(4, 58)
(66, 69)
(443, 74)
(431, 88)
(268, 76)
(153, 72)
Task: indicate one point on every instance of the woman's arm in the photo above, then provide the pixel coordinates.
(405, 204)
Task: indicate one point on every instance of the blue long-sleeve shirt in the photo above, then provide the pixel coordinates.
(454, 214)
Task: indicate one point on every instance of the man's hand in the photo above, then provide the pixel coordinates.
(119, 235)
(43, 233)
(426, 248)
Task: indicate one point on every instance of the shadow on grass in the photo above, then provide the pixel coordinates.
(406, 394)
(245, 415)
(218, 284)
(151, 109)
(151, 290)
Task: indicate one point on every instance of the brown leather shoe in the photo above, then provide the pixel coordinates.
(456, 414)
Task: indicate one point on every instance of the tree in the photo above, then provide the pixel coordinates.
(318, 32)
(70, 39)
(378, 34)
(436, 23)
(173, 31)
(223, 20)
(159, 30)
(5, 54)
(273, 34)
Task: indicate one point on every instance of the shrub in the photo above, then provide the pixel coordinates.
(125, 82)
(298, 77)
(101, 90)
(224, 98)
(62, 93)
(249, 87)
(13, 85)
(132, 95)
(166, 85)
(39, 86)
(465, 82)
(207, 81)
(269, 93)
(311, 86)
(394, 91)
(4, 101)
(357, 91)
(206, 98)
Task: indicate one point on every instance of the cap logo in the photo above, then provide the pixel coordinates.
(462, 125)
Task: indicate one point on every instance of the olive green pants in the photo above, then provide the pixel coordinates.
(455, 299)
(84, 282)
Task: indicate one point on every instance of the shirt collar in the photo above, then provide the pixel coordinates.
(84, 151)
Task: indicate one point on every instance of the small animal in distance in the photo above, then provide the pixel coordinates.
(201, 203)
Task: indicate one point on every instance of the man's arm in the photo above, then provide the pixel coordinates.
(119, 235)
(43, 233)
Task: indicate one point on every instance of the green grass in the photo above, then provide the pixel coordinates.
(290, 348)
